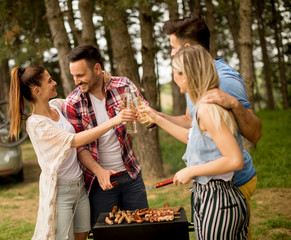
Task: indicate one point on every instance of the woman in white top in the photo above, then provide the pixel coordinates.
(63, 203)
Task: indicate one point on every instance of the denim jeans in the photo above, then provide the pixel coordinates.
(129, 195)
(73, 208)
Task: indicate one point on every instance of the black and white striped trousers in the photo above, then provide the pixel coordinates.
(220, 211)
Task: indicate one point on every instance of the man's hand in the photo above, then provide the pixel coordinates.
(106, 77)
(103, 177)
(248, 123)
(219, 97)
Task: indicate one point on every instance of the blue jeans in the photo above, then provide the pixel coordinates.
(129, 195)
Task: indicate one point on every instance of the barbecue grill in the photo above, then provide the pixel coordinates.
(177, 229)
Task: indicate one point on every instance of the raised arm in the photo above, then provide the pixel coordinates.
(88, 136)
(181, 133)
(84, 137)
(184, 121)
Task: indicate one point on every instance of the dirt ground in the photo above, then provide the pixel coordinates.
(20, 201)
(22, 205)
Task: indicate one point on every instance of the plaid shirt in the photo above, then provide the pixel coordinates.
(79, 111)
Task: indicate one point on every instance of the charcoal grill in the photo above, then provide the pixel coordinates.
(178, 229)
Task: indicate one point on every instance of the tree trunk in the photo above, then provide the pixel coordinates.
(71, 20)
(231, 13)
(121, 45)
(278, 39)
(246, 57)
(4, 84)
(146, 143)
(153, 166)
(60, 40)
(195, 7)
(210, 21)
(88, 29)
(109, 51)
(266, 61)
(179, 101)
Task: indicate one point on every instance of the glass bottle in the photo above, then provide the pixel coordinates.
(128, 101)
(143, 118)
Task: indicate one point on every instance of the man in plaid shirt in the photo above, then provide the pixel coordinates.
(94, 102)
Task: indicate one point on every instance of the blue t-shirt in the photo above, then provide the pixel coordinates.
(232, 83)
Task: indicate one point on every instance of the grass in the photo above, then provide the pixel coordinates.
(15, 229)
(279, 226)
(272, 159)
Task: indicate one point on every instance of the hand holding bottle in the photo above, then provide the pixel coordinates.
(128, 102)
(125, 115)
(151, 113)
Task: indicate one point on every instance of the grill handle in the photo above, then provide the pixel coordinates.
(164, 183)
(191, 227)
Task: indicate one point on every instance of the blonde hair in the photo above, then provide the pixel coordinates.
(199, 70)
(20, 88)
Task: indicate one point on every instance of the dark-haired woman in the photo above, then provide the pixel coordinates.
(64, 210)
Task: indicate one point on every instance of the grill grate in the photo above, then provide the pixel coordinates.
(176, 229)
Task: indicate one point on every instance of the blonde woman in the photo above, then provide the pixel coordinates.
(64, 209)
(214, 151)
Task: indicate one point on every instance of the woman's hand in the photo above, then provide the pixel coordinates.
(153, 114)
(183, 176)
(125, 115)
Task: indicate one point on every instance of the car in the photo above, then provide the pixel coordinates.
(11, 160)
(11, 164)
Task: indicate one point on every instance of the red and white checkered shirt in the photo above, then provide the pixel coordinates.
(79, 111)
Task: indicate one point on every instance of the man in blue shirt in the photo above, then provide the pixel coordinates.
(231, 95)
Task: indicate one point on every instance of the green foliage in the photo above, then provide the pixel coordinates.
(25, 35)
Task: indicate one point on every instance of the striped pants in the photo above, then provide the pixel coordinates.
(220, 211)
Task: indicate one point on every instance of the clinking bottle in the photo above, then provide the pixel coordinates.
(128, 101)
(143, 118)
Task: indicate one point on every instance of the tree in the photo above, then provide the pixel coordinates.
(281, 63)
(195, 7)
(77, 34)
(246, 57)
(88, 29)
(266, 60)
(4, 72)
(233, 22)
(149, 84)
(146, 143)
(179, 101)
(25, 37)
(210, 21)
(61, 41)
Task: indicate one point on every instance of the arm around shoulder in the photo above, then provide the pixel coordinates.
(249, 124)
